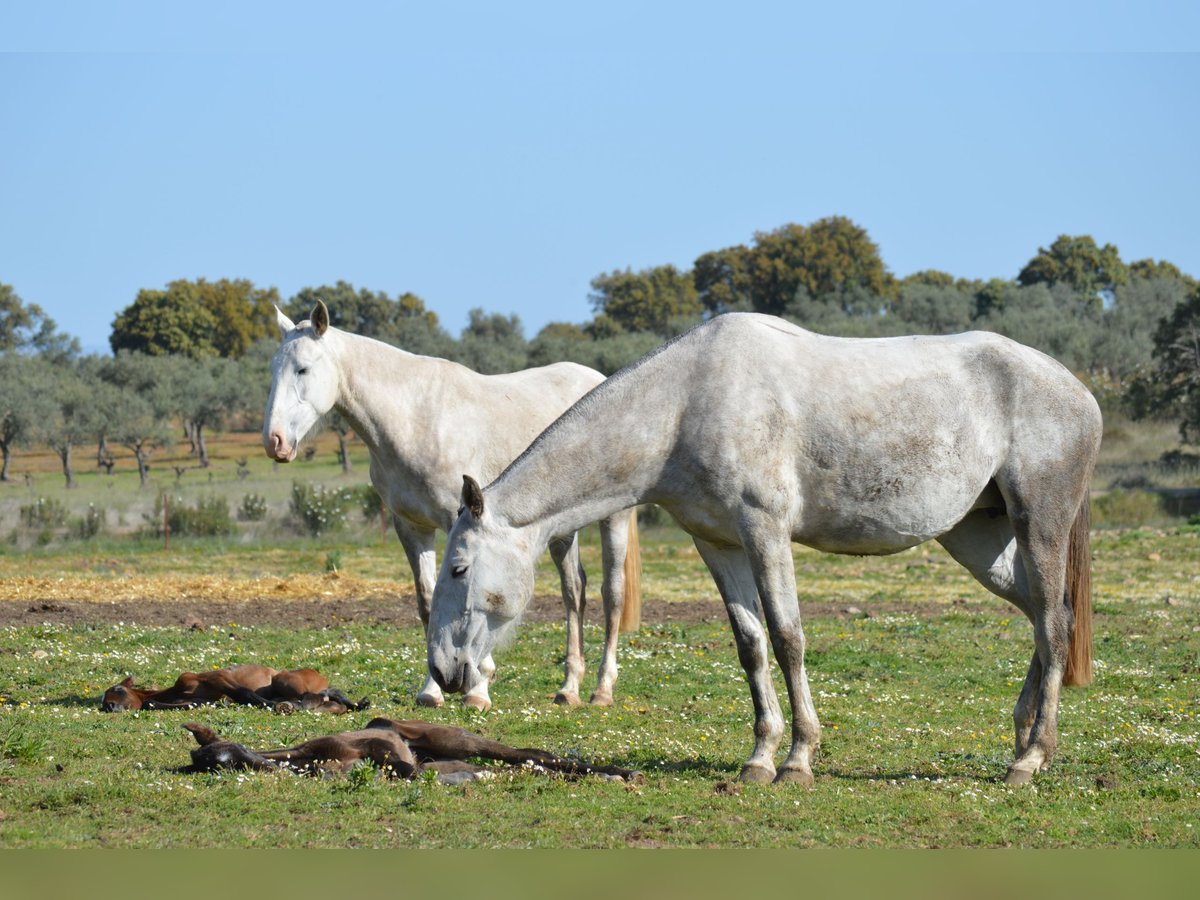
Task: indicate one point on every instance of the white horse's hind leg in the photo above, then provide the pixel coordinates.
(731, 571)
(614, 543)
(566, 558)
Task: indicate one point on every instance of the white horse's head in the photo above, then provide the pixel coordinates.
(484, 585)
(304, 383)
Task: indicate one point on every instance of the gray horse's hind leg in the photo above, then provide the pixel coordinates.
(731, 571)
(1027, 568)
(418, 546)
(614, 544)
(570, 573)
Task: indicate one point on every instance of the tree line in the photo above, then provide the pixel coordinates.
(192, 357)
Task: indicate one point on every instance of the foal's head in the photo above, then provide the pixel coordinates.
(123, 696)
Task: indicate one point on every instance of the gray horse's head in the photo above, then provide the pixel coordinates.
(484, 585)
(304, 383)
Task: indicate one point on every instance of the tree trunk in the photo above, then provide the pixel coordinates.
(343, 454)
(6, 450)
(143, 464)
(189, 432)
(64, 453)
(199, 433)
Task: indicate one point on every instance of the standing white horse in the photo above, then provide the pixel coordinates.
(754, 433)
(425, 421)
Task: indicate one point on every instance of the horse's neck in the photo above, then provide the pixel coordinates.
(378, 386)
(604, 455)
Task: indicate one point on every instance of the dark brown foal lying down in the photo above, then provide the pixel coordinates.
(403, 748)
(254, 685)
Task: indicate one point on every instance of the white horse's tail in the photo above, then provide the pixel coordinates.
(1079, 592)
(631, 612)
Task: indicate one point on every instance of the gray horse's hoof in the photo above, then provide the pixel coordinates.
(602, 699)
(756, 775)
(1015, 776)
(795, 776)
(562, 698)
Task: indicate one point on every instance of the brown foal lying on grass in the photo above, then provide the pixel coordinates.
(250, 684)
(401, 748)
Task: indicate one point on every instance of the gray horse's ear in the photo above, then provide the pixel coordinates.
(472, 496)
(320, 318)
(286, 325)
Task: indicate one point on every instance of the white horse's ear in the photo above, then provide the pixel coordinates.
(472, 496)
(286, 325)
(320, 318)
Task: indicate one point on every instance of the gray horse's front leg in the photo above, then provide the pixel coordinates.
(735, 580)
(570, 573)
(770, 556)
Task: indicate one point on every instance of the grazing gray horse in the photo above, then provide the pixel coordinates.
(754, 433)
(425, 421)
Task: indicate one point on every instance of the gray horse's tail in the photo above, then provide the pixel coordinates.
(1079, 594)
(631, 612)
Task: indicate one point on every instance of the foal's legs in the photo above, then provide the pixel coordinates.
(565, 554)
(614, 544)
(731, 571)
(418, 546)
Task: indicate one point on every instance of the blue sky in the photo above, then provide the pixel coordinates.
(502, 157)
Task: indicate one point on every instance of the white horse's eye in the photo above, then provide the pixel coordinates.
(458, 571)
(303, 370)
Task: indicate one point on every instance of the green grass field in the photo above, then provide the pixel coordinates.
(915, 709)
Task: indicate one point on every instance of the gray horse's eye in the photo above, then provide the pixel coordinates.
(458, 571)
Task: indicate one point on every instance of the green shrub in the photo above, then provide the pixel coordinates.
(318, 509)
(43, 513)
(209, 517)
(253, 508)
(90, 524)
(368, 500)
(1127, 509)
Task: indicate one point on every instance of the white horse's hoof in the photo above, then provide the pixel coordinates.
(756, 775)
(431, 701)
(602, 698)
(480, 703)
(562, 698)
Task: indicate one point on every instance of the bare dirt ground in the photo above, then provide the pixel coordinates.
(324, 612)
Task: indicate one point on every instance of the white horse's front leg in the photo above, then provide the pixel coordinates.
(735, 580)
(614, 544)
(419, 548)
(570, 573)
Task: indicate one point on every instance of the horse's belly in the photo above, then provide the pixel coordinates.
(879, 524)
